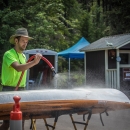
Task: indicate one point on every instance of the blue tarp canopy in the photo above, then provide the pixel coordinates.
(73, 52)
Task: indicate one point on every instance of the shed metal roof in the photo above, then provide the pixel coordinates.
(110, 42)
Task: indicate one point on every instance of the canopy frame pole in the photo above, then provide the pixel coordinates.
(69, 69)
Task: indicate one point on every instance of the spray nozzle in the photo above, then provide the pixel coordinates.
(53, 69)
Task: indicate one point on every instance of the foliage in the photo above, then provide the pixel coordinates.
(45, 20)
(93, 24)
(118, 17)
(59, 24)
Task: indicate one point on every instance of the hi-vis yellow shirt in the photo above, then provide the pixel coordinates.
(10, 76)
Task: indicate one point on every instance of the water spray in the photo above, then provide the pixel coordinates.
(32, 57)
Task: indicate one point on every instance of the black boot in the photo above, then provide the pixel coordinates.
(23, 124)
(5, 125)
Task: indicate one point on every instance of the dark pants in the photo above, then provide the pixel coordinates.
(5, 125)
(8, 88)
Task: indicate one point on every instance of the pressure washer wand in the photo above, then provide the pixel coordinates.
(32, 57)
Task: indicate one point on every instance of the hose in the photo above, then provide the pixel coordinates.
(32, 57)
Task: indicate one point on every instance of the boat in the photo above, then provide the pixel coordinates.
(52, 103)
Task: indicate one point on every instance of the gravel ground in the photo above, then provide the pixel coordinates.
(117, 120)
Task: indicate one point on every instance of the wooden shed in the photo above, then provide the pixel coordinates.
(107, 62)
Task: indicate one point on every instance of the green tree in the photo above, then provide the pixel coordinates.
(45, 21)
(117, 16)
(94, 26)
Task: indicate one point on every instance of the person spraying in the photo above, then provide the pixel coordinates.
(14, 63)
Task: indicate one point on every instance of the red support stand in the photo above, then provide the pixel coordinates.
(16, 115)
